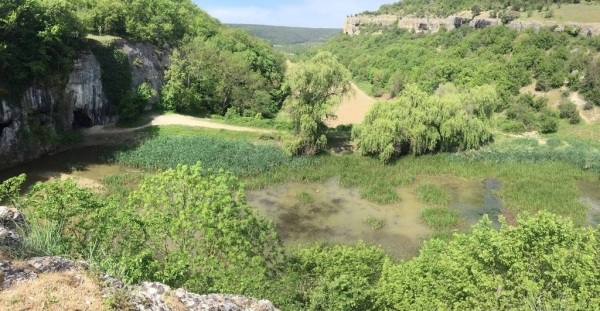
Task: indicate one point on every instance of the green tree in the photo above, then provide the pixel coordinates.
(418, 123)
(38, 41)
(206, 237)
(316, 88)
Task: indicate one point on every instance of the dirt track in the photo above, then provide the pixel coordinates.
(353, 109)
(171, 119)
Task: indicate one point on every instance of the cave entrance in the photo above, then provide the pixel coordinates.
(81, 120)
(4, 125)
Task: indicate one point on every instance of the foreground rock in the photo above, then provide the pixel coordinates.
(144, 297)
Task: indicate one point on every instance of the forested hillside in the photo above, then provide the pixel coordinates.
(281, 35)
(467, 58)
(290, 40)
(214, 67)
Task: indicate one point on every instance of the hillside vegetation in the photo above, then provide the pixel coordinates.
(444, 8)
(498, 56)
(172, 207)
(213, 68)
(282, 35)
(290, 40)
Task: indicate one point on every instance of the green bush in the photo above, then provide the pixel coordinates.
(548, 125)
(512, 126)
(568, 110)
(133, 103)
(336, 277)
(502, 270)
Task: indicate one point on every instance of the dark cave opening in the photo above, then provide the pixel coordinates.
(4, 125)
(81, 120)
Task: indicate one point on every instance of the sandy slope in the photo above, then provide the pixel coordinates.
(353, 108)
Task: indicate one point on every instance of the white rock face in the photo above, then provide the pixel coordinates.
(352, 24)
(85, 95)
(81, 104)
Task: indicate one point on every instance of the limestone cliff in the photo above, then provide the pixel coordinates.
(352, 25)
(30, 123)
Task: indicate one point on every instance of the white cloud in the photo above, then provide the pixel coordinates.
(307, 13)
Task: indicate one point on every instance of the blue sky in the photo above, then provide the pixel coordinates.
(302, 13)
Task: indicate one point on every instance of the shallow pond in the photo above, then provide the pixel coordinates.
(87, 165)
(590, 195)
(308, 212)
(334, 213)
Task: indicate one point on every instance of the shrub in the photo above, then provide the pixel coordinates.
(374, 222)
(512, 126)
(503, 270)
(548, 125)
(336, 277)
(305, 197)
(568, 110)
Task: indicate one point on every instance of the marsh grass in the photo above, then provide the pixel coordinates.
(440, 217)
(182, 130)
(240, 157)
(432, 194)
(527, 186)
(305, 198)
(528, 150)
(374, 222)
(122, 184)
(533, 177)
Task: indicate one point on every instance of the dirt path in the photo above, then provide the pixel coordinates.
(171, 119)
(589, 116)
(353, 108)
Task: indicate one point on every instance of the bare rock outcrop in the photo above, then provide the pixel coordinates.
(353, 24)
(480, 23)
(153, 296)
(29, 123)
(147, 296)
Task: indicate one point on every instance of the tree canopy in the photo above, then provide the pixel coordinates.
(38, 39)
(418, 123)
(231, 70)
(316, 87)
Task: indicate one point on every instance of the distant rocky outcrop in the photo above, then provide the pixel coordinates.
(28, 123)
(352, 25)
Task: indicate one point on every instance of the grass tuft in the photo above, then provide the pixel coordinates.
(432, 194)
(374, 222)
(440, 218)
(305, 197)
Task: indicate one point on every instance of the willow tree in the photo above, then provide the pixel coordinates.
(316, 88)
(418, 123)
